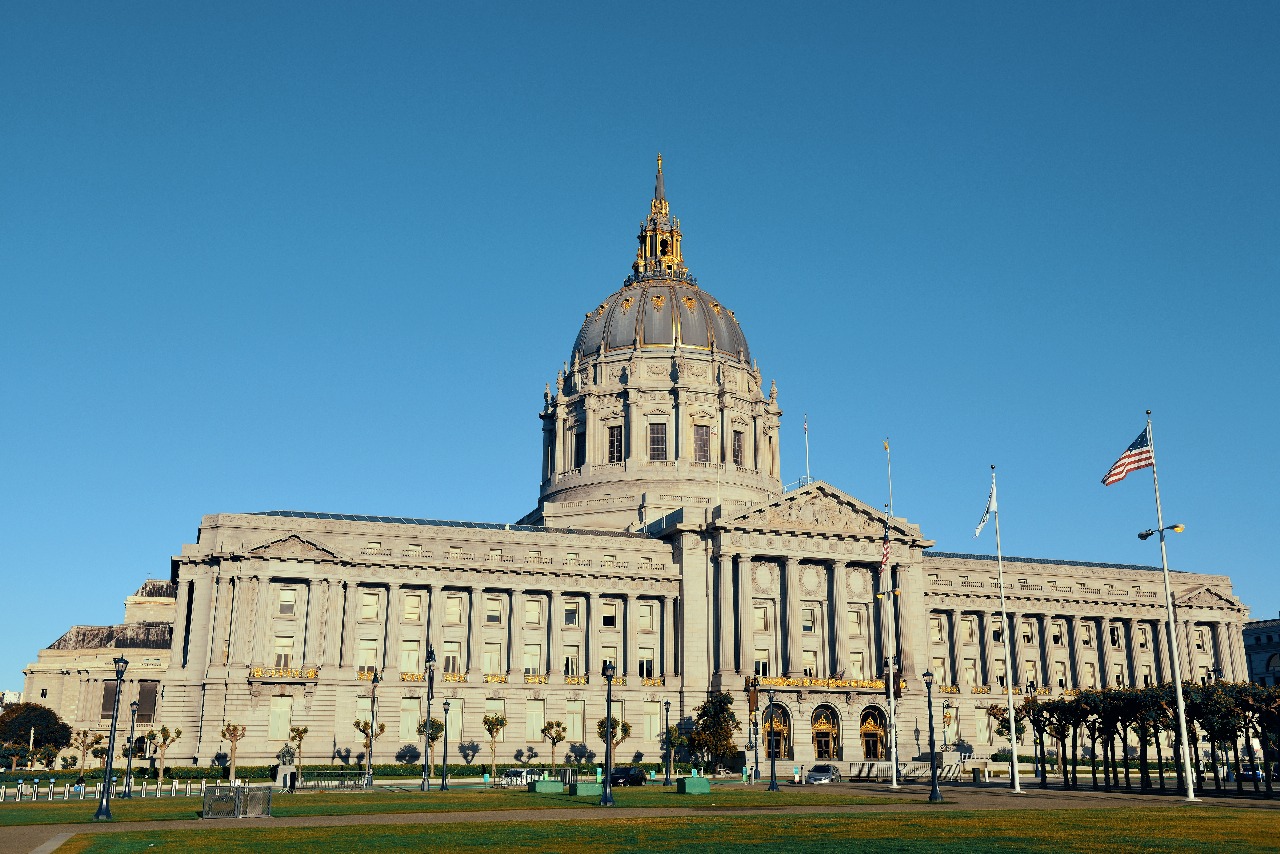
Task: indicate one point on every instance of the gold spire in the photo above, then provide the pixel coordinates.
(659, 250)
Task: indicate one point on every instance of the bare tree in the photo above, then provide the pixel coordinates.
(494, 724)
(162, 740)
(554, 732)
(296, 735)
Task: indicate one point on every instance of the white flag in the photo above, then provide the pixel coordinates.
(991, 507)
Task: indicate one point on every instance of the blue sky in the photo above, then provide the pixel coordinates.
(324, 256)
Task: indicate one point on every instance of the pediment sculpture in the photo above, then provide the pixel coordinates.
(294, 547)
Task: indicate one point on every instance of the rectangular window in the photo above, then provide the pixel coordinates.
(658, 442)
(762, 662)
(368, 606)
(1143, 637)
(1115, 637)
(108, 698)
(148, 693)
(652, 721)
(935, 629)
(1029, 671)
(858, 663)
(810, 663)
(970, 671)
(532, 659)
(997, 630)
(737, 447)
(454, 726)
(1060, 674)
(1026, 631)
(646, 662)
(283, 651)
(410, 714)
(492, 658)
(579, 448)
(492, 611)
(761, 618)
(366, 655)
(288, 600)
(411, 656)
(571, 667)
(940, 671)
(807, 621)
(453, 609)
(413, 607)
(452, 657)
(1090, 675)
(533, 612)
(281, 716)
(535, 715)
(646, 616)
(497, 707)
(363, 706)
(1059, 632)
(1200, 639)
(609, 655)
(999, 672)
(701, 443)
(574, 714)
(969, 625)
(1117, 675)
(571, 613)
(615, 444)
(609, 615)
(855, 623)
(1086, 636)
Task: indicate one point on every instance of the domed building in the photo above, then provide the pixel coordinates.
(663, 544)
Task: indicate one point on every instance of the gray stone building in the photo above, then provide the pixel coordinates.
(664, 541)
(1262, 650)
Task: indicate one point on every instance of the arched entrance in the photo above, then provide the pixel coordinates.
(826, 733)
(872, 730)
(777, 732)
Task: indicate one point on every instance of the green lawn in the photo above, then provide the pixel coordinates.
(1150, 829)
(353, 803)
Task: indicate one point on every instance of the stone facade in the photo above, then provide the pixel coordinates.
(1262, 648)
(663, 541)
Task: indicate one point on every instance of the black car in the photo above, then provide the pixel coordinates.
(627, 777)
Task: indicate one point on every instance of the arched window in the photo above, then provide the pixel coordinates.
(875, 745)
(777, 732)
(826, 732)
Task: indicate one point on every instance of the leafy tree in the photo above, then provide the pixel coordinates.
(494, 725)
(233, 733)
(17, 721)
(713, 728)
(432, 729)
(162, 740)
(69, 762)
(296, 736)
(47, 756)
(554, 732)
(100, 753)
(618, 732)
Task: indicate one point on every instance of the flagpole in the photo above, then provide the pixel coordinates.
(807, 479)
(1008, 657)
(892, 679)
(1172, 626)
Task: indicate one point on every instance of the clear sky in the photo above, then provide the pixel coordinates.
(322, 256)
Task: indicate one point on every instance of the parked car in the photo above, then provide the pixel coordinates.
(823, 774)
(1248, 773)
(628, 777)
(517, 777)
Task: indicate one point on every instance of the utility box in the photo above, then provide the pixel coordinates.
(546, 787)
(580, 790)
(693, 786)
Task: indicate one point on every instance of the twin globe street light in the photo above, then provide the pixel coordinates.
(104, 802)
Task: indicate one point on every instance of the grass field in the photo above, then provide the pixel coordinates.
(1151, 829)
(353, 803)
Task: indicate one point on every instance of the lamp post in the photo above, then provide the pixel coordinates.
(769, 730)
(104, 803)
(608, 672)
(753, 732)
(431, 686)
(444, 768)
(666, 707)
(128, 768)
(373, 728)
(935, 796)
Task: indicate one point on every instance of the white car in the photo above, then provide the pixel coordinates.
(822, 774)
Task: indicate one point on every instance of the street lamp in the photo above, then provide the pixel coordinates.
(666, 707)
(608, 672)
(753, 733)
(1176, 527)
(444, 769)
(769, 730)
(373, 729)
(431, 685)
(104, 803)
(128, 768)
(935, 796)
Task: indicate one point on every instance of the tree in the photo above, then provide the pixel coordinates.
(68, 762)
(84, 741)
(162, 740)
(370, 735)
(554, 732)
(618, 732)
(432, 729)
(296, 735)
(713, 728)
(17, 722)
(47, 756)
(233, 733)
(100, 753)
(494, 725)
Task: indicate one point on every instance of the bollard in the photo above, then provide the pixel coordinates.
(51, 790)
(1, 793)
(188, 788)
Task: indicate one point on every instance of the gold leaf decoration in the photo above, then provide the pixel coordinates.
(658, 301)
(689, 302)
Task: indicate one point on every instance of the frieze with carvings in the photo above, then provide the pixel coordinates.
(764, 578)
(812, 580)
(294, 547)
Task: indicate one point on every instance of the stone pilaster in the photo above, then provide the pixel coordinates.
(792, 598)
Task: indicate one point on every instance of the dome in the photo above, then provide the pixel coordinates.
(662, 313)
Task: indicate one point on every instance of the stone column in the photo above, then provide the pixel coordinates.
(1014, 628)
(221, 610)
(237, 630)
(956, 657)
(985, 648)
(746, 617)
(515, 631)
(257, 650)
(555, 637)
(312, 619)
(1043, 627)
(473, 630)
(1130, 653)
(391, 633)
(201, 609)
(435, 620)
(595, 625)
(910, 607)
(840, 619)
(1221, 655)
(1241, 657)
(1077, 670)
(668, 637)
(350, 591)
(630, 637)
(724, 614)
(1188, 644)
(1104, 646)
(793, 657)
(180, 632)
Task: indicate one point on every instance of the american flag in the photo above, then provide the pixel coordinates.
(884, 551)
(1136, 456)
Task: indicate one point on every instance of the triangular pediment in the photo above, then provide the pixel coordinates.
(1206, 597)
(819, 508)
(294, 547)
